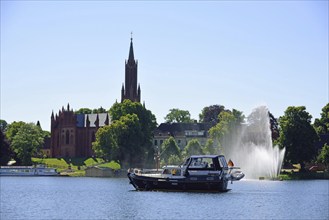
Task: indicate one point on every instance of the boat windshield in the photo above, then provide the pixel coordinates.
(203, 163)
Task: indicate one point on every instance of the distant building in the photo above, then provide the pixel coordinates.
(46, 148)
(129, 89)
(72, 134)
(182, 133)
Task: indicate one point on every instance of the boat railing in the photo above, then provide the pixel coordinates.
(17, 167)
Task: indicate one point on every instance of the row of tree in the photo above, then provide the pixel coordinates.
(128, 139)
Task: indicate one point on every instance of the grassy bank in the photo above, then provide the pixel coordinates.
(304, 175)
(74, 166)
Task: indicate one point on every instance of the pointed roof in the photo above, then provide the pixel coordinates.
(131, 51)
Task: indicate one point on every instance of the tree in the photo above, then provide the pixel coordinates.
(3, 125)
(193, 147)
(179, 116)
(297, 135)
(210, 114)
(174, 160)
(83, 111)
(133, 134)
(274, 126)
(223, 131)
(323, 156)
(27, 141)
(209, 148)
(13, 129)
(99, 110)
(168, 149)
(132, 150)
(105, 145)
(322, 125)
(5, 152)
(121, 141)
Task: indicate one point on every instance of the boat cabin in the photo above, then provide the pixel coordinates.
(206, 162)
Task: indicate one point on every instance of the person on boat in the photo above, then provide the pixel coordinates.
(173, 172)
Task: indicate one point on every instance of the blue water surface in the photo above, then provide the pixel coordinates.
(110, 198)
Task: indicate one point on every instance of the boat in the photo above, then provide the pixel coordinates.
(197, 173)
(39, 170)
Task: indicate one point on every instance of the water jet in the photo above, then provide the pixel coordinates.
(250, 147)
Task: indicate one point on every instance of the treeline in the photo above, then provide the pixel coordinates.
(128, 139)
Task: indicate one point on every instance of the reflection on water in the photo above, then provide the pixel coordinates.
(105, 198)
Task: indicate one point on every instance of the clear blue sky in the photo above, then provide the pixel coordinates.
(240, 54)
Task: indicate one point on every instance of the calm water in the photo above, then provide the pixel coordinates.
(105, 198)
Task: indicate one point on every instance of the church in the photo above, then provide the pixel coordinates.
(72, 134)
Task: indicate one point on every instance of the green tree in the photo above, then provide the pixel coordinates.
(132, 151)
(105, 145)
(5, 152)
(174, 160)
(99, 110)
(139, 129)
(121, 141)
(146, 118)
(84, 111)
(323, 156)
(3, 125)
(179, 116)
(13, 129)
(168, 149)
(322, 125)
(274, 127)
(27, 142)
(210, 114)
(224, 130)
(297, 135)
(193, 147)
(209, 148)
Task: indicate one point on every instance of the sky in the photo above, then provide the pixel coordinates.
(191, 54)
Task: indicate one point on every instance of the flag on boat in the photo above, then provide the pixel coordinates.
(230, 163)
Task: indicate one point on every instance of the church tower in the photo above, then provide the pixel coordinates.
(129, 89)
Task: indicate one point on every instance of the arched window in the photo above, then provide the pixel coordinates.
(93, 137)
(67, 137)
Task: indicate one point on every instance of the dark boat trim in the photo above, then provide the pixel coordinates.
(191, 177)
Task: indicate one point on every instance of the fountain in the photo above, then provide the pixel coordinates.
(250, 147)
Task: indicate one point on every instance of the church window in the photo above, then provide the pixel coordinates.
(67, 137)
(93, 137)
(155, 142)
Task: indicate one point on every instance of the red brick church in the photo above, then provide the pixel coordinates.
(72, 134)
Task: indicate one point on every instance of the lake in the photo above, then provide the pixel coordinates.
(111, 198)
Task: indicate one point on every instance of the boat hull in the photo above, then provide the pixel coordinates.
(190, 183)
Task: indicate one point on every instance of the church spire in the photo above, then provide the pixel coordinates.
(131, 50)
(130, 90)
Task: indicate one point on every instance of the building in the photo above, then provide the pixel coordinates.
(182, 133)
(72, 134)
(129, 89)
